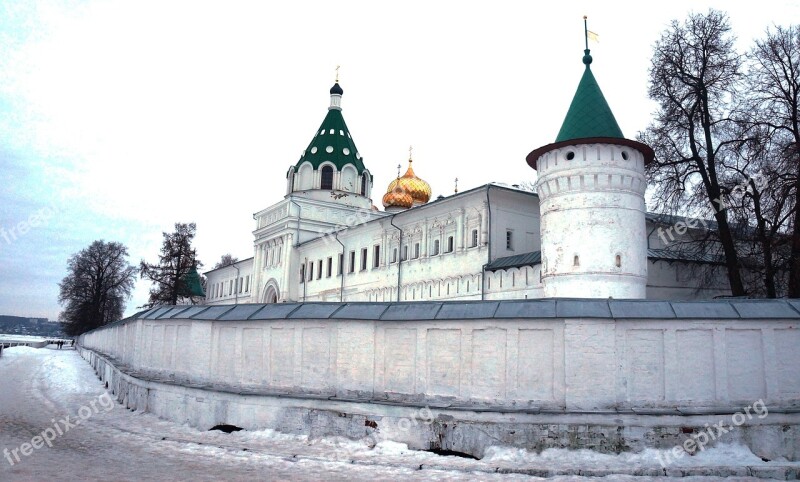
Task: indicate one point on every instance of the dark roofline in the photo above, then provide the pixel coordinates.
(533, 258)
(543, 308)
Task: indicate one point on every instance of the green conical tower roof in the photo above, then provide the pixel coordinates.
(589, 114)
(191, 284)
(332, 141)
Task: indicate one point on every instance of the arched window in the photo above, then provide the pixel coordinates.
(349, 178)
(364, 184)
(436, 247)
(305, 178)
(327, 178)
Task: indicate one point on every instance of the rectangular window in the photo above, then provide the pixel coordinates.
(330, 267)
(394, 255)
(303, 273)
(340, 268)
(405, 252)
(352, 262)
(435, 247)
(449, 244)
(474, 238)
(416, 250)
(376, 256)
(247, 284)
(310, 271)
(319, 269)
(241, 285)
(509, 240)
(363, 259)
(230, 287)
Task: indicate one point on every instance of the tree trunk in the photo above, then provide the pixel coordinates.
(731, 259)
(794, 263)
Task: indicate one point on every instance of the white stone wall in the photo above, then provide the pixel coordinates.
(566, 363)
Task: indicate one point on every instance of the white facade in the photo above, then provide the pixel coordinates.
(583, 235)
(350, 254)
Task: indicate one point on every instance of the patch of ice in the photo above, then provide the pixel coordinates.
(387, 447)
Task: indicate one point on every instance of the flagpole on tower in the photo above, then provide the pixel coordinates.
(585, 32)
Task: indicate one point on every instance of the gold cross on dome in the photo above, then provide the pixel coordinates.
(337, 73)
(410, 149)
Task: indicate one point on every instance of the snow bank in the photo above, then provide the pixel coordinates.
(720, 455)
(21, 350)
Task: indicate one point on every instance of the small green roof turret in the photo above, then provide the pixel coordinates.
(589, 119)
(589, 114)
(332, 141)
(191, 285)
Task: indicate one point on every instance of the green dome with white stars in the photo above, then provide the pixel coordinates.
(332, 141)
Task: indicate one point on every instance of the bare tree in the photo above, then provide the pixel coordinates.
(226, 260)
(758, 205)
(694, 76)
(773, 112)
(94, 292)
(175, 276)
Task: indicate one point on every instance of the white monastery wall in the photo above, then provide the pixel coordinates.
(498, 354)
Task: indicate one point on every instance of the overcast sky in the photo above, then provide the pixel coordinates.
(118, 119)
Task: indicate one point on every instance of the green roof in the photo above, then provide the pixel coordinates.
(332, 142)
(191, 284)
(589, 114)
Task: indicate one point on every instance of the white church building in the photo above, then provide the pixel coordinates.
(584, 233)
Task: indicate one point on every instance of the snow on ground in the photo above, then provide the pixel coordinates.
(40, 388)
(6, 336)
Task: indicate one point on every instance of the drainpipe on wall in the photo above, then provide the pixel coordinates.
(655, 226)
(236, 285)
(299, 211)
(488, 242)
(296, 243)
(305, 276)
(341, 268)
(399, 254)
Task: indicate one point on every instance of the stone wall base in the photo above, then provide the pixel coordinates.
(444, 428)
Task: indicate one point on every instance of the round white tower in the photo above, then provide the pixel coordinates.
(591, 188)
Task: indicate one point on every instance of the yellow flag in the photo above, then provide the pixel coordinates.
(593, 36)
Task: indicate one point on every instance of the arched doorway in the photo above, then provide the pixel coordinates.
(270, 292)
(271, 295)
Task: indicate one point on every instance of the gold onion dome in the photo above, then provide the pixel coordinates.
(407, 190)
